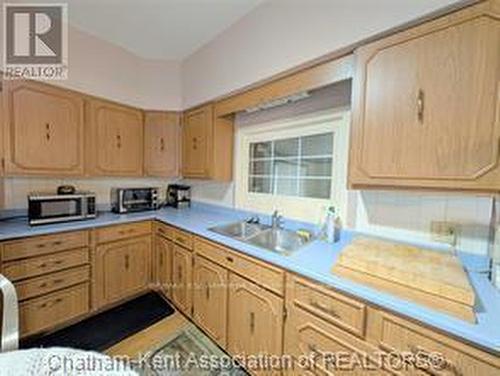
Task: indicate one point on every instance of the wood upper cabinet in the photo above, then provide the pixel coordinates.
(207, 144)
(426, 105)
(122, 268)
(115, 139)
(164, 253)
(44, 129)
(210, 283)
(197, 142)
(161, 143)
(182, 271)
(255, 322)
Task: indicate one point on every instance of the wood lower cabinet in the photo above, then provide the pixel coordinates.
(426, 102)
(182, 271)
(161, 143)
(210, 295)
(122, 269)
(115, 139)
(44, 130)
(54, 309)
(164, 249)
(255, 319)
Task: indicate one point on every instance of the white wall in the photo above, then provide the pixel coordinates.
(103, 69)
(281, 34)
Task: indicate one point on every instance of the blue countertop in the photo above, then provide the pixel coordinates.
(313, 261)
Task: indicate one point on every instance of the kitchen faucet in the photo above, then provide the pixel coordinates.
(276, 220)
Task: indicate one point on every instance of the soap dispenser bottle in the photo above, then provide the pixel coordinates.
(332, 226)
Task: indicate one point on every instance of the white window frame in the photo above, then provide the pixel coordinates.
(300, 208)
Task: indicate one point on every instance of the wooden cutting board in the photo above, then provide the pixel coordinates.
(435, 279)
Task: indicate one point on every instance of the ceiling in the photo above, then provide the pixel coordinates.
(156, 29)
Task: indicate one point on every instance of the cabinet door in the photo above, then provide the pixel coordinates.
(255, 321)
(115, 140)
(123, 268)
(181, 279)
(161, 144)
(44, 130)
(426, 106)
(210, 290)
(196, 142)
(164, 254)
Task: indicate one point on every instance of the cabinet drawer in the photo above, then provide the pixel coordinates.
(338, 309)
(212, 252)
(55, 281)
(164, 230)
(261, 273)
(182, 238)
(41, 245)
(112, 233)
(310, 338)
(396, 334)
(51, 310)
(35, 266)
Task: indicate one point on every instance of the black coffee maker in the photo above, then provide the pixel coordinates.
(179, 196)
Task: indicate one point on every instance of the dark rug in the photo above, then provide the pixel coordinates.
(105, 329)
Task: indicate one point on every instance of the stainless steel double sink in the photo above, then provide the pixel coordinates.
(274, 239)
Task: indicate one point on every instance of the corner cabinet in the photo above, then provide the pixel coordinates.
(161, 143)
(44, 130)
(426, 105)
(207, 144)
(115, 139)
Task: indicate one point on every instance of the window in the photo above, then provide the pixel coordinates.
(299, 166)
(296, 166)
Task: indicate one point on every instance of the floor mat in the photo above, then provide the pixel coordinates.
(188, 352)
(105, 329)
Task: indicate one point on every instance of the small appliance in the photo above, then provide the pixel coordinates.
(179, 196)
(127, 200)
(45, 208)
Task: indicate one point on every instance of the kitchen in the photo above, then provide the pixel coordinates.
(318, 208)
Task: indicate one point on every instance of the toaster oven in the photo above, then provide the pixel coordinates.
(127, 200)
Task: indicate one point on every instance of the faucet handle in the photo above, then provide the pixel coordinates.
(253, 219)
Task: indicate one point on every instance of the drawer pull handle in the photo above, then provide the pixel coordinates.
(40, 245)
(418, 350)
(420, 106)
(207, 292)
(58, 281)
(42, 285)
(57, 242)
(42, 265)
(252, 322)
(58, 262)
(329, 311)
(127, 261)
(229, 259)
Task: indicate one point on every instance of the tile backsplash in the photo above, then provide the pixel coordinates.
(408, 215)
(16, 189)
(399, 215)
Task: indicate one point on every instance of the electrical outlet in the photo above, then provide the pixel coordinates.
(444, 232)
